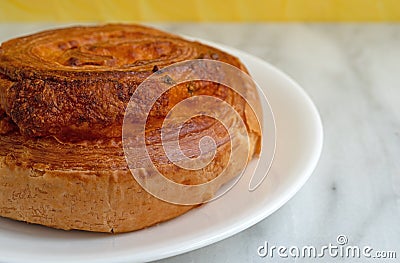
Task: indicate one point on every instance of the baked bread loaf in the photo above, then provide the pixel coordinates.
(63, 95)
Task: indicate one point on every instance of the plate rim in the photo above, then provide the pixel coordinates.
(312, 164)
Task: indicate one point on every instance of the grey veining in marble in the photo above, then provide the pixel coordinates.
(352, 73)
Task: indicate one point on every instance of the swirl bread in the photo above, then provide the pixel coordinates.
(63, 94)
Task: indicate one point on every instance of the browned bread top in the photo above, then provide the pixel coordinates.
(75, 83)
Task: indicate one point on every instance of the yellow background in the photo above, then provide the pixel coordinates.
(198, 10)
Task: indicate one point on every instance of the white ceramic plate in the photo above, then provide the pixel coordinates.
(299, 143)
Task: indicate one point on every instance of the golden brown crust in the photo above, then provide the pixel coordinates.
(63, 94)
(76, 82)
(66, 187)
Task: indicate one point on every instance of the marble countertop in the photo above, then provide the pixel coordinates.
(352, 73)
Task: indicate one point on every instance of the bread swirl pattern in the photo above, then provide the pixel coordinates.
(63, 94)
